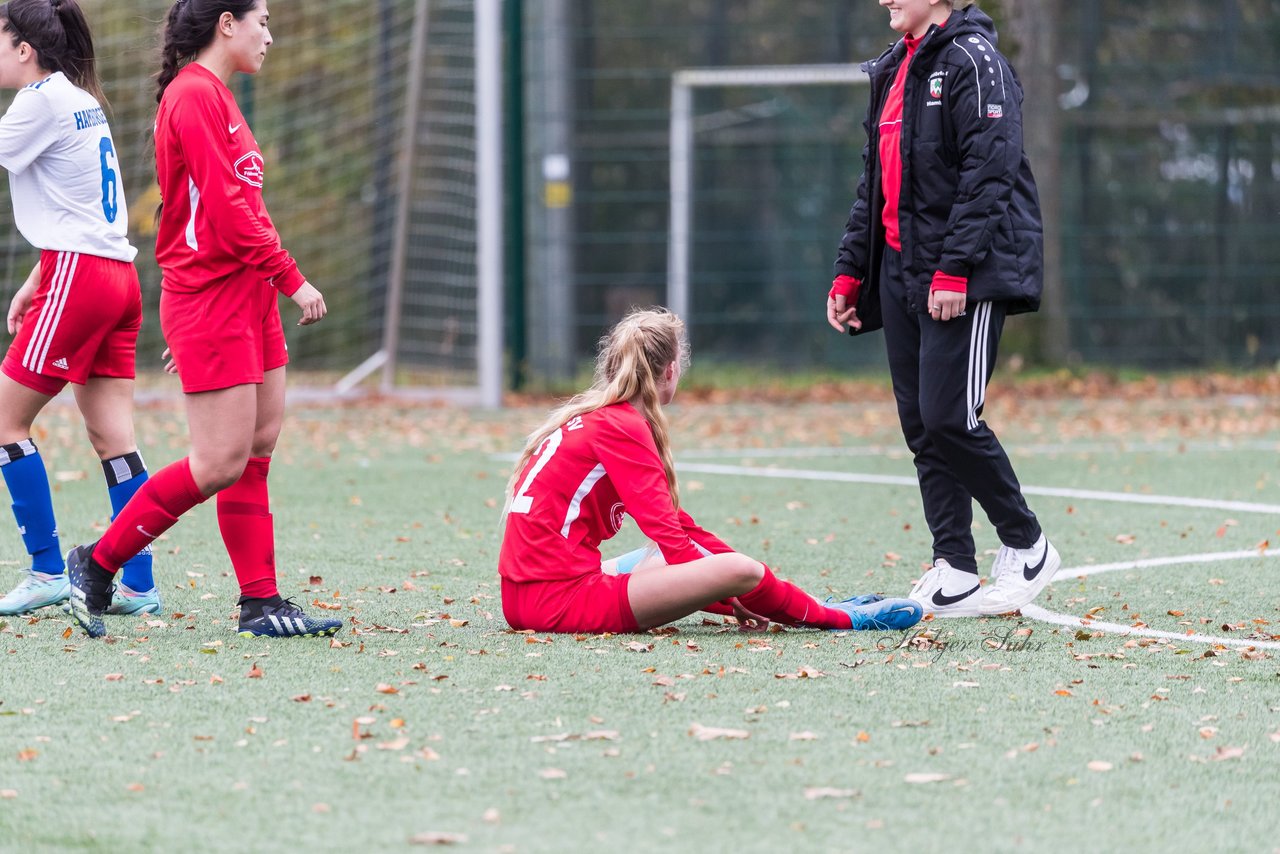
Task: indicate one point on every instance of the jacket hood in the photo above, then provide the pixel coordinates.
(972, 21)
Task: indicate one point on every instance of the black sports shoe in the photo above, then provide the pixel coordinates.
(90, 589)
(282, 618)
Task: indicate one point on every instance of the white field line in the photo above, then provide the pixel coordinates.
(1047, 449)
(1054, 492)
(1044, 615)
(1146, 563)
(1035, 612)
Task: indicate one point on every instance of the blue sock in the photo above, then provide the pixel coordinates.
(629, 561)
(125, 476)
(28, 484)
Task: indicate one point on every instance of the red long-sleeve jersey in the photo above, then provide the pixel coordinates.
(572, 493)
(213, 225)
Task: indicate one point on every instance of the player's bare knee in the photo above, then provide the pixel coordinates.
(216, 476)
(749, 572)
(110, 443)
(14, 430)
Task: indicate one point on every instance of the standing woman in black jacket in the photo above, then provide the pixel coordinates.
(944, 240)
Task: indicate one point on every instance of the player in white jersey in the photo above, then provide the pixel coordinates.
(76, 318)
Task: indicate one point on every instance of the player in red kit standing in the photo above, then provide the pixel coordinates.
(606, 453)
(223, 266)
(76, 318)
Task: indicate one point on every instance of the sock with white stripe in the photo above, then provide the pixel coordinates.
(28, 484)
(125, 475)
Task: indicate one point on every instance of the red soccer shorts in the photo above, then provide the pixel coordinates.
(592, 604)
(226, 335)
(82, 323)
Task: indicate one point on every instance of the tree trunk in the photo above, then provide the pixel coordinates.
(1032, 25)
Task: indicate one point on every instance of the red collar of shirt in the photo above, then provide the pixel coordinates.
(912, 42)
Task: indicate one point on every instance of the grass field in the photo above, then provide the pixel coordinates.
(427, 721)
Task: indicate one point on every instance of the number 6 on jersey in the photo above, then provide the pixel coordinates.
(107, 156)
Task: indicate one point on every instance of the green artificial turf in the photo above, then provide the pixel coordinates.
(427, 719)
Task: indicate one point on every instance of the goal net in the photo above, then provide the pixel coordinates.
(764, 161)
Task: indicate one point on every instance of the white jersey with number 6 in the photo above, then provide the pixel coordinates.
(68, 195)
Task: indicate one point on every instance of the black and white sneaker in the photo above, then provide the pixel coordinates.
(1019, 575)
(90, 590)
(282, 618)
(945, 591)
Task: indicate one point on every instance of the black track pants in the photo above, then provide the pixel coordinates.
(940, 372)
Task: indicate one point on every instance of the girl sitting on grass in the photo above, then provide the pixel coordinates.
(605, 453)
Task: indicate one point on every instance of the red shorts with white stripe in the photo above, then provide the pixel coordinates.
(227, 334)
(590, 604)
(82, 323)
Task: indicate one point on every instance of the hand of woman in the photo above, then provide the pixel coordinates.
(945, 305)
(20, 303)
(841, 317)
(170, 363)
(311, 301)
(747, 621)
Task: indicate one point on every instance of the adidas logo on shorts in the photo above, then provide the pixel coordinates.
(60, 364)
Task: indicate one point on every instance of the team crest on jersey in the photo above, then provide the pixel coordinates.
(617, 515)
(935, 87)
(250, 169)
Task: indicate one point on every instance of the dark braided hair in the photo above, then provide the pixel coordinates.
(189, 29)
(59, 34)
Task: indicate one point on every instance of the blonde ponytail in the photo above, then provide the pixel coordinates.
(632, 356)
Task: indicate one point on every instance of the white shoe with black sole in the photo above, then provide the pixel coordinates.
(1019, 575)
(945, 591)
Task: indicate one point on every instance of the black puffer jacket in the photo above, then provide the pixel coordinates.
(969, 205)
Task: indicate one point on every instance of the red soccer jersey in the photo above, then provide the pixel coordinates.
(214, 224)
(572, 493)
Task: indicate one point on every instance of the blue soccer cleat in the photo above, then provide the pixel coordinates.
(874, 612)
(284, 620)
(37, 590)
(90, 590)
(126, 602)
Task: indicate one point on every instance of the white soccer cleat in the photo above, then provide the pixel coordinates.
(37, 590)
(1019, 575)
(945, 591)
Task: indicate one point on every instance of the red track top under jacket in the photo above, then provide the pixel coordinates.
(572, 493)
(214, 224)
